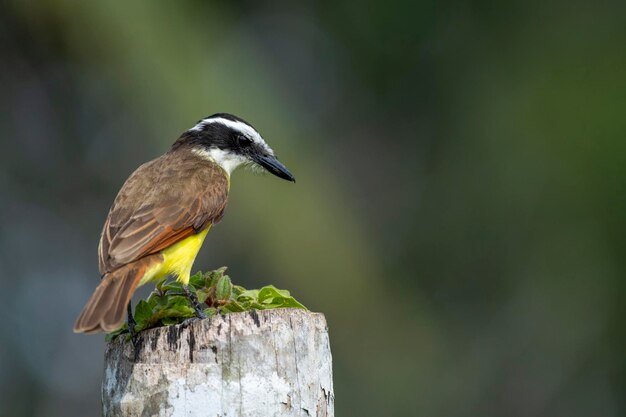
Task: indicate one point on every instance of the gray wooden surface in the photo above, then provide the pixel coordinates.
(265, 363)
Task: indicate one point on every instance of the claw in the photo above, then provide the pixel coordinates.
(188, 321)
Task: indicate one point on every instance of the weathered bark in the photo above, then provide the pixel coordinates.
(265, 363)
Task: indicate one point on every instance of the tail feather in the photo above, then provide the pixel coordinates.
(123, 295)
(104, 312)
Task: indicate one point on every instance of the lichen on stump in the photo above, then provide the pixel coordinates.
(259, 363)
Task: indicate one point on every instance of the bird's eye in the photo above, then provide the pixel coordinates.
(244, 140)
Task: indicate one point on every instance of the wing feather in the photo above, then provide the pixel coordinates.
(164, 201)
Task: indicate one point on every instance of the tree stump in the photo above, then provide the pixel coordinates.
(256, 364)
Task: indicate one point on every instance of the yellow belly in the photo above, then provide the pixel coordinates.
(177, 260)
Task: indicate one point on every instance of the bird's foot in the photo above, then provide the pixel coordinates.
(188, 321)
(131, 330)
(194, 303)
(134, 336)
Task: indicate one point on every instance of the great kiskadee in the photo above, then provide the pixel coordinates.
(164, 210)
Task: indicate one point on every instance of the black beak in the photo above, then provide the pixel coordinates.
(274, 166)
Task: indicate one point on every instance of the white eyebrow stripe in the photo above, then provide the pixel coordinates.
(244, 128)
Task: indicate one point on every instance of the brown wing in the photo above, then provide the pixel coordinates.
(162, 202)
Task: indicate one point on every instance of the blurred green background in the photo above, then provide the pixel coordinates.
(459, 214)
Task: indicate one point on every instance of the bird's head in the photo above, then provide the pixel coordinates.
(232, 142)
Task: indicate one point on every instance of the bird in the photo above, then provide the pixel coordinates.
(163, 212)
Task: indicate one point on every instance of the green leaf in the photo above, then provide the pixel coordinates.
(171, 313)
(113, 335)
(168, 304)
(172, 286)
(237, 290)
(270, 291)
(223, 288)
(276, 298)
(176, 301)
(210, 312)
(153, 299)
(214, 276)
(143, 311)
(202, 295)
(170, 321)
(234, 307)
(159, 284)
(252, 295)
(197, 280)
(178, 293)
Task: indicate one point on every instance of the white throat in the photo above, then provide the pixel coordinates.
(228, 161)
